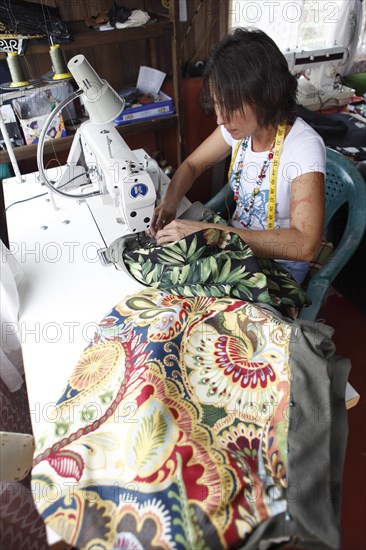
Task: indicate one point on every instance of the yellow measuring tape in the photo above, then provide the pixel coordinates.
(279, 139)
(233, 157)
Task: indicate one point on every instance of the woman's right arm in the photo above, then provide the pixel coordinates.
(210, 152)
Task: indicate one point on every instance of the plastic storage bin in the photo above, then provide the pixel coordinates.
(159, 108)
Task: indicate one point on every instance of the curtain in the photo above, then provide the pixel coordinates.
(10, 351)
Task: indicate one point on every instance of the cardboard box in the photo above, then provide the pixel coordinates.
(162, 107)
(33, 110)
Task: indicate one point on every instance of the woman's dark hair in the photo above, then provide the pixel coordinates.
(247, 67)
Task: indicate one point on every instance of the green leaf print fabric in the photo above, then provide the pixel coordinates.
(213, 263)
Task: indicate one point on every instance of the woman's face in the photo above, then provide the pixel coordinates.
(239, 124)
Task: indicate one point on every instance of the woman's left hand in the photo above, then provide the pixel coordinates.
(178, 229)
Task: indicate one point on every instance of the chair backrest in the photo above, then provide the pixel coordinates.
(344, 185)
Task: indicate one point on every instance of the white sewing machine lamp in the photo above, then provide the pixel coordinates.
(103, 105)
(100, 161)
(101, 101)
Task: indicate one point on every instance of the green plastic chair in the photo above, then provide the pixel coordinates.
(344, 185)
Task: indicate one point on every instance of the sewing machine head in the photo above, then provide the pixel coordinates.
(102, 158)
(126, 185)
(319, 82)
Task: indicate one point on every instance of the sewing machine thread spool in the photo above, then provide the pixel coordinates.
(16, 69)
(58, 63)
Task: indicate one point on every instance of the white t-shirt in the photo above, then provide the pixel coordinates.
(303, 151)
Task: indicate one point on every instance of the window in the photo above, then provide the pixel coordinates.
(306, 24)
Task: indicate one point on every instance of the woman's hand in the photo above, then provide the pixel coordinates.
(163, 214)
(178, 229)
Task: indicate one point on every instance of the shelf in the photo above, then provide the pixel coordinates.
(92, 38)
(64, 144)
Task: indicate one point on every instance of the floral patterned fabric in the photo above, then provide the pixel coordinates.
(172, 430)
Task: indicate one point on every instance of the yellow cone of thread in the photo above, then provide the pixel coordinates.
(58, 63)
(16, 71)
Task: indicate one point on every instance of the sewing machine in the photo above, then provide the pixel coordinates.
(319, 81)
(100, 162)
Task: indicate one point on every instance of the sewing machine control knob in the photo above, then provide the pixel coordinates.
(331, 71)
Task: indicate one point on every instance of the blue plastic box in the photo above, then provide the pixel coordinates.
(159, 108)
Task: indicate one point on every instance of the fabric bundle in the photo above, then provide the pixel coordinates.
(197, 422)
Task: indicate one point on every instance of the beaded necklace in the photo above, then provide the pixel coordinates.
(273, 154)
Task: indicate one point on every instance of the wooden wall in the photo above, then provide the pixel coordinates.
(206, 23)
(119, 63)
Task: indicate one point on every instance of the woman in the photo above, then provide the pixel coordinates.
(247, 82)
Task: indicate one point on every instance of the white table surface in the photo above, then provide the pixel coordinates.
(65, 290)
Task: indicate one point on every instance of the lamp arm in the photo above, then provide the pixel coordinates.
(42, 172)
